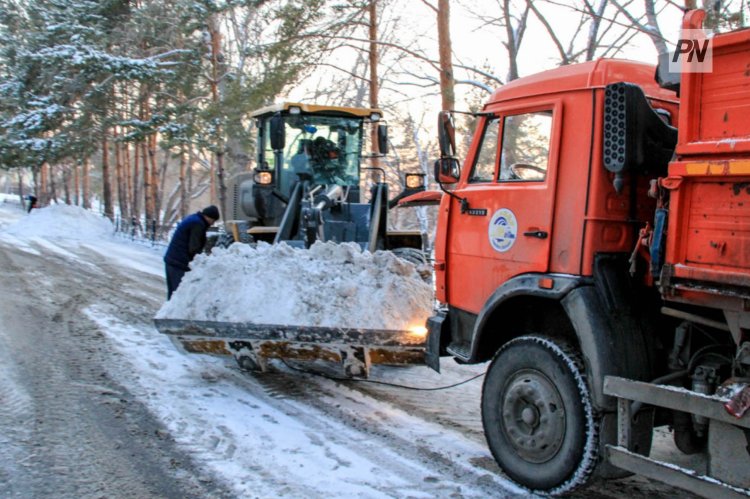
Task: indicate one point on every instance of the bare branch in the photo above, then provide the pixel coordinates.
(429, 5)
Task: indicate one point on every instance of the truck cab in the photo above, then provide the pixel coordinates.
(534, 200)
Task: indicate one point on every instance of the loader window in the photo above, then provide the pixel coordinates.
(525, 150)
(325, 149)
(484, 162)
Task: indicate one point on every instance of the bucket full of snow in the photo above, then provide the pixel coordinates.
(333, 302)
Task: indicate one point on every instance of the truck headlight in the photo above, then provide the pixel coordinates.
(414, 180)
(263, 177)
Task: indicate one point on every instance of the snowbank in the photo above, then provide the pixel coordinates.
(62, 221)
(331, 285)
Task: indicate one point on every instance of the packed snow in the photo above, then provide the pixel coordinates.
(62, 221)
(329, 285)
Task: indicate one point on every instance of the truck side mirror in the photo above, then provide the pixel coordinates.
(276, 132)
(447, 170)
(446, 134)
(383, 139)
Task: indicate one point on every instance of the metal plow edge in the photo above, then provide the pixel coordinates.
(252, 345)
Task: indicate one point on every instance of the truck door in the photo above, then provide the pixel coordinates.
(510, 190)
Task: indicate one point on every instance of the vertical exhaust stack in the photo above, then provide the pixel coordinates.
(635, 137)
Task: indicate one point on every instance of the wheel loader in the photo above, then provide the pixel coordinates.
(308, 186)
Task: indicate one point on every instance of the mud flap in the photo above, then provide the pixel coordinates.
(435, 326)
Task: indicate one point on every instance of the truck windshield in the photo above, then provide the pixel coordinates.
(323, 149)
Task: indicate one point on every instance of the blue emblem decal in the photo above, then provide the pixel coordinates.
(503, 230)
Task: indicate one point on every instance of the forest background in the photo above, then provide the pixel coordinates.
(140, 107)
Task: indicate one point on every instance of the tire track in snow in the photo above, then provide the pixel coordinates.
(84, 429)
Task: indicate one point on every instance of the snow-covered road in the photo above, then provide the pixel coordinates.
(131, 416)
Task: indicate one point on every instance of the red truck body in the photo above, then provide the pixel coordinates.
(708, 242)
(595, 247)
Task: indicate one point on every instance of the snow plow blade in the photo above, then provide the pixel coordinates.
(253, 344)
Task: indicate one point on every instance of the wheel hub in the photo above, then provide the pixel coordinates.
(533, 416)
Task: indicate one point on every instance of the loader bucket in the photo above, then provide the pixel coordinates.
(355, 350)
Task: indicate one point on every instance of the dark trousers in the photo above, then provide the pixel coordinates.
(174, 277)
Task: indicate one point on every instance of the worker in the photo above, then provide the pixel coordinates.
(326, 163)
(32, 202)
(188, 240)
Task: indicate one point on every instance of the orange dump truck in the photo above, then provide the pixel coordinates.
(595, 246)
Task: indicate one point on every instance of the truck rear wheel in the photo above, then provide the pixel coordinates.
(537, 415)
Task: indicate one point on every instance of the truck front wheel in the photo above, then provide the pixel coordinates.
(537, 415)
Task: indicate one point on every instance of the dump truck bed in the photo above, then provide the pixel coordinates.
(253, 344)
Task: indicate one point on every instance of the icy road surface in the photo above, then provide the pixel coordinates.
(95, 403)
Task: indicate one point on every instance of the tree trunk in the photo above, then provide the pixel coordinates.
(191, 162)
(35, 184)
(106, 180)
(66, 183)
(447, 81)
(653, 30)
(183, 185)
(20, 187)
(213, 28)
(374, 87)
(76, 185)
(593, 38)
(52, 184)
(136, 203)
(43, 196)
(148, 206)
(86, 184)
(155, 194)
(126, 173)
(122, 193)
(511, 44)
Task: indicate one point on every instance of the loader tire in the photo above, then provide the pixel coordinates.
(538, 417)
(419, 259)
(247, 363)
(413, 255)
(225, 240)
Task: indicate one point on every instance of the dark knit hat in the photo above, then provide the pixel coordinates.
(211, 212)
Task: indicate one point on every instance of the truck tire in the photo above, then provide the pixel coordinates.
(538, 417)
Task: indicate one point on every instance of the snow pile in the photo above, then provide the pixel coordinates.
(62, 221)
(330, 285)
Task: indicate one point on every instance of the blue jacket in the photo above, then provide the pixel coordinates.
(188, 240)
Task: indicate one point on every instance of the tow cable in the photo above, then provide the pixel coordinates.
(396, 385)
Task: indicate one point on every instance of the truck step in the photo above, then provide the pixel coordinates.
(676, 476)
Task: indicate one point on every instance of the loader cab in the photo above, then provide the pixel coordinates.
(320, 144)
(307, 184)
